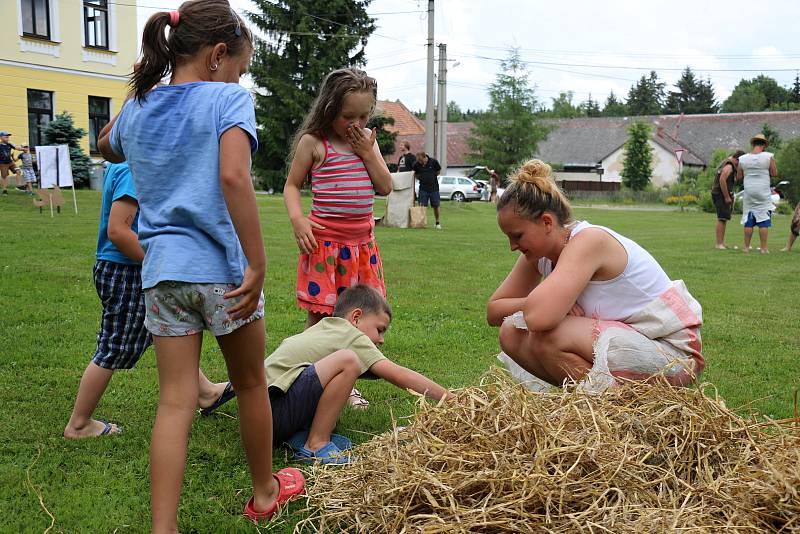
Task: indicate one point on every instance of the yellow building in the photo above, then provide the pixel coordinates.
(65, 55)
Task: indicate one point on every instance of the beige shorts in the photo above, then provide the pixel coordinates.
(184, 308)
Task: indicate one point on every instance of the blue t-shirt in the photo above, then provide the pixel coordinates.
(117, 183)
(171, 141)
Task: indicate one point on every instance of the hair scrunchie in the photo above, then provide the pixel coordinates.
(174, 18)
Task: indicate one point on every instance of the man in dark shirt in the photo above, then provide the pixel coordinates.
(426, 170)
(407, 159)
(722, 194)
(6, 160)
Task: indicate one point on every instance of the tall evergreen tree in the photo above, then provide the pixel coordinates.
(637, 166)
(614, 107)
(692, 96)
(383, 137)
(305, 40)
(62, 131)
(590, 108)
(794, 92)
(507, 132)
(646, 97)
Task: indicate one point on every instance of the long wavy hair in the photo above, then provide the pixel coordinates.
(328, 104)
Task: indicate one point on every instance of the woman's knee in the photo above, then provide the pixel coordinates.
(510, 338)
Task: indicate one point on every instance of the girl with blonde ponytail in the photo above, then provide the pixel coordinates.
(587, 303)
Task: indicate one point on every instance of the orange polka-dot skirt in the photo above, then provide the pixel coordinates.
(332, 268)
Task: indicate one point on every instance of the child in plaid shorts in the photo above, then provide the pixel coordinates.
(123, 337)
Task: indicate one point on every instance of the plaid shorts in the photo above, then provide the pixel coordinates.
(122, 338)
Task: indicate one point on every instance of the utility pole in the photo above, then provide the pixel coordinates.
(429, 111)
(441, 108)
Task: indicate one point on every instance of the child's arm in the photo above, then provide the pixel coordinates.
(104, 143)
(367, 149)
(240, 198)
(120, 221)
(302, 164)
(405, 378)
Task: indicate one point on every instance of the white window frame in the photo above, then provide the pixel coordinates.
(112, 32)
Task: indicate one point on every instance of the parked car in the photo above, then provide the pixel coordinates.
(456, 188)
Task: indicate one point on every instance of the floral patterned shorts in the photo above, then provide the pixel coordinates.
(185, 308)
(332, 268)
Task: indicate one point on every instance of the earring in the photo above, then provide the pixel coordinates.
(214, 67)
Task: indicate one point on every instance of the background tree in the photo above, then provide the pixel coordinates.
(384, 137)
(62, 131)
(454, 113)
(692, 96)
(507, 132)
(759, 94)
(638, 158)
(614, 107)
(788, 163)
(563, 108)
(646, 97)
(305, 40)
(794, 92)
(772, 136)
(590, 108)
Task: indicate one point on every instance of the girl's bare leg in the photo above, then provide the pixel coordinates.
(244, 356)
(178, 360)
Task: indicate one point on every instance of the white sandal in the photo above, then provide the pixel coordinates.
(357, 400)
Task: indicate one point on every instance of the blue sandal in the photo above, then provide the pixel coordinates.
(298, 440)
(328, 454)
(227, 394)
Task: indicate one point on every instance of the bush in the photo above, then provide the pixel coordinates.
(683, 200)
(784, 208)
(705, 203)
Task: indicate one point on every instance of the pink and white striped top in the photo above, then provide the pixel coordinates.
(342, 196)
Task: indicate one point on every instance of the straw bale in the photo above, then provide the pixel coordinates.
(642, 457)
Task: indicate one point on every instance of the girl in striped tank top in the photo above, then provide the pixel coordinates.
(334, 147)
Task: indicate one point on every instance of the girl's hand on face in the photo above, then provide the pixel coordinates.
(249, 294)
(360, 143)
(304, 235)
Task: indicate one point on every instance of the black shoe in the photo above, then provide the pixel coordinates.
(21, 188)
(5, 191)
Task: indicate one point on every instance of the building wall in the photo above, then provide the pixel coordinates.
(665, 166)
(62, 64)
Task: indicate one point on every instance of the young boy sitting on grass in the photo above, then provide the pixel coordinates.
(311, 374)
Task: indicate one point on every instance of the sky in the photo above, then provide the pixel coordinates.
(589, 47)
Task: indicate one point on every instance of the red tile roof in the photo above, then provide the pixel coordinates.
(405, 122)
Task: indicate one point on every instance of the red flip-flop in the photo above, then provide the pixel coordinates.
(291, 484)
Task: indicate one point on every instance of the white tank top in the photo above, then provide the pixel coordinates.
(617, 299)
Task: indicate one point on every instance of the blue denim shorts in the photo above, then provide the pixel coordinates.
(294, 410)
(751, 221)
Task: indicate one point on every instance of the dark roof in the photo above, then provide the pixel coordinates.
(587, 141)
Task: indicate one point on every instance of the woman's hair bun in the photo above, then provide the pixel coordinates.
(533, 171)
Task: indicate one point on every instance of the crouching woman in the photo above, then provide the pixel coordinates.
(594, 305)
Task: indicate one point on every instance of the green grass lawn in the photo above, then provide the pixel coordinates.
(438, 284)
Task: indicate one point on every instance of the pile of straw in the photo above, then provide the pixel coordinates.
(638, 458)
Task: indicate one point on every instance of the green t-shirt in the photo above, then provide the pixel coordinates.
(326, 337)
